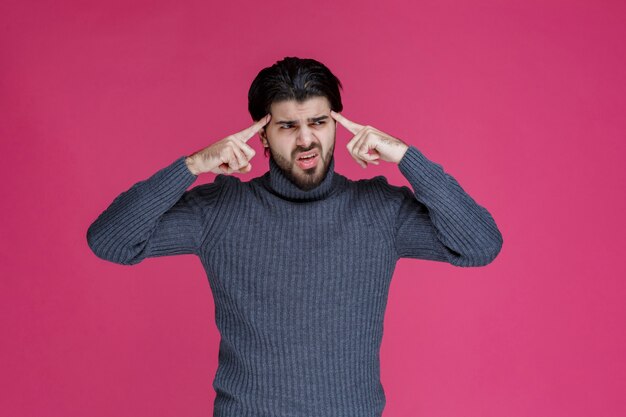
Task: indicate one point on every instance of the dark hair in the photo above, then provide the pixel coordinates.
(293, 78)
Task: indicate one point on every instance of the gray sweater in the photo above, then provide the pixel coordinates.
(299, 278)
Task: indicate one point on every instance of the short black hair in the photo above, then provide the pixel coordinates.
(296, 79)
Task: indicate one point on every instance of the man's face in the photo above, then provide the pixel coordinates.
(298, 130)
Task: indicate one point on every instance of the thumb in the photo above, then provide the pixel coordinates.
(246, 169)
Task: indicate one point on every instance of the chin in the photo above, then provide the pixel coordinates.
(307, 181)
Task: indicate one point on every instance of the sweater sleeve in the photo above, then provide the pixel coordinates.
(155, 217)
(439, 220)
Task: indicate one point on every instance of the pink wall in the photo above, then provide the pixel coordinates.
(523, 102)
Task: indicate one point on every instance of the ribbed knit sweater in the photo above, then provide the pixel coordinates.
(300, 279)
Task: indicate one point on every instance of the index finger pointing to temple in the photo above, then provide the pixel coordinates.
(249, 132)
(350, 125)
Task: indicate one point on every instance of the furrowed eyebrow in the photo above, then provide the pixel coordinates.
(295, 122)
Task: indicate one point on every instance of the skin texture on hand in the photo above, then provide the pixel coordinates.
(227, 155)
(369, 139)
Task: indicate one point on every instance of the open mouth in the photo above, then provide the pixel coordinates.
(307, 160)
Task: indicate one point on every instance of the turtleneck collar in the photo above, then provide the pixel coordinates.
(283, 186)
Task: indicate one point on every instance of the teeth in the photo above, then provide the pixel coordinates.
(307, 157)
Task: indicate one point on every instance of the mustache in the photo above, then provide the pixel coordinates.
(298, 150)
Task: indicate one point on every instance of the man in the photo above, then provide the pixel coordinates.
(300, 259)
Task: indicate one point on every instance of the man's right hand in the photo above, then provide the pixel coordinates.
(227, 155)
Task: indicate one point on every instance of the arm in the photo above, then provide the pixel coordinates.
(440, 221)
(155, 217)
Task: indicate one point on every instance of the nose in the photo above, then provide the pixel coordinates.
(305, 137)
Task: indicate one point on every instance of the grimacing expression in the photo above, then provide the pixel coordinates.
(301, 139)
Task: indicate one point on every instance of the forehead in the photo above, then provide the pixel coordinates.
(293, 110)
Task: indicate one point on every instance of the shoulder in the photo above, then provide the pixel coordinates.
(212, 192)
(381, 199)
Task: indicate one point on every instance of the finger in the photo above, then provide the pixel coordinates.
(358, 160)
(354, 142)
(246, 169)
(374, 157)
(348, 124)
(249, 132)
(229, 159)
(355, 139)
(352, 154)
(364, 145)
(239, 159)
(246, 149)
(225, 168)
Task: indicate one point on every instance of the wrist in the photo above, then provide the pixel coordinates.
(405, 148)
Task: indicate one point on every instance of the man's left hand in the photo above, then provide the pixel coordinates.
(368, 138)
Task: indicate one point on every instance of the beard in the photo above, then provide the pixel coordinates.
(309, 178)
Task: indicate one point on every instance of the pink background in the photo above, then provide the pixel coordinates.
(523, 102)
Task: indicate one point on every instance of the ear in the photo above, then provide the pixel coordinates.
(263, 136)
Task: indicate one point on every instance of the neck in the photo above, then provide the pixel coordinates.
(283, 186)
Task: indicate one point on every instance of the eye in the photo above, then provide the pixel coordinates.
(286, 126)
(319, 122)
